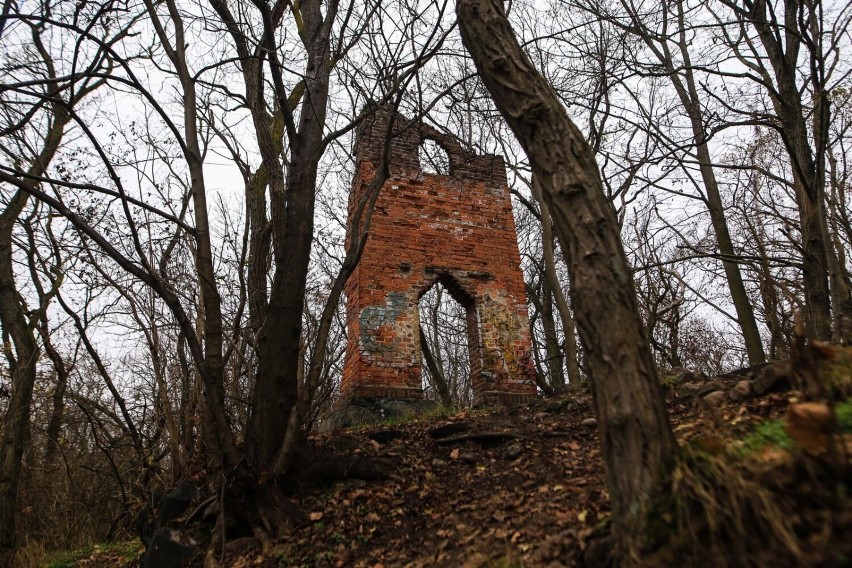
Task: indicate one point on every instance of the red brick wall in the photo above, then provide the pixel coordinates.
(456, 229)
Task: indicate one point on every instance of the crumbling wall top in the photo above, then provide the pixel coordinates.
(406, 137)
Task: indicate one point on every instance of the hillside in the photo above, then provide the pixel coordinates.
(524, 486)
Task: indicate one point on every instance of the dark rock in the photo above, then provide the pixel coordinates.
(398, 450)
(345, 444)
(772, 378)
(439, 463)
(385, 436)
(242, 545)
(448, 430)
(168, 549)
(698, 389)
(468, 457)
(361, 411)
(710, 386)
(589, 422)
(397, 409)
(352, 415)
(176, 501)
(688, 390)
(168, 507)
(676, 376)
(748, 372)
(553, 406)
(513, 452)
(742, 391)
(714, 398)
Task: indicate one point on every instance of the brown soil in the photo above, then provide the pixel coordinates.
(521, 486)
(533, 497)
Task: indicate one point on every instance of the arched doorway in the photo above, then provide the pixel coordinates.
(449, 344)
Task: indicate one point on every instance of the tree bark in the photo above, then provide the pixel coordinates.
(277, 391)
(15, 430)
(569, 329)
(217, 428)
(551, 341)
(637, 441)
(16, 422)
(435, 371)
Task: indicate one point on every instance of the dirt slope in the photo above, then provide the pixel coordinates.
(520, 486)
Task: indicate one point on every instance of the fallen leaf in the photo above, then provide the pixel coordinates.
(582, 515)
(316, 516)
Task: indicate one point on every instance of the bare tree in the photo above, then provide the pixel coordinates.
(29, 147)
(638, 444)
(771, 39)
(667, 36)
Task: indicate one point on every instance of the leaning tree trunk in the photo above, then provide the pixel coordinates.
(638, 445)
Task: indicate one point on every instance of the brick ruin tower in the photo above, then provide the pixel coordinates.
(455, 229)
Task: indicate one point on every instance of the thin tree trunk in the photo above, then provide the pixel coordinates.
(16, 422)
(551, 341)
(807, 163)
(540, 376)
(438, 378)
(568, 325)
(277, 393)
(57, 413)
(15, 430)
(687, 92)
(217, 424)
(637, 441)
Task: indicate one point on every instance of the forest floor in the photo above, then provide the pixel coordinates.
(519, 486)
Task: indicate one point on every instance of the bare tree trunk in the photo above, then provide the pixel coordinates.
(57, 413)
(15, 430)
(807, 161)
(438, 378)
(682, 77)
(638, 445)
(840, 226)
(569, 329)
(278, 347)
(16, 422)
(217, 424)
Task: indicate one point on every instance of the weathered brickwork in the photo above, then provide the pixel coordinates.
(455, 229)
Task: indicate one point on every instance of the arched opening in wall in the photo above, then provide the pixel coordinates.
(433, 158)
(447, 330)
